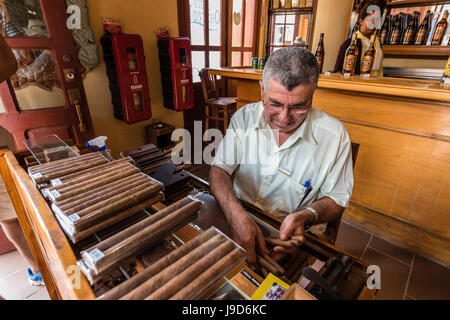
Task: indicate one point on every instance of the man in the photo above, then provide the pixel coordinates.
(303, 171)
(8, 219)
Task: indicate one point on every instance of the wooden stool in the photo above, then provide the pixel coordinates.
(219, 109)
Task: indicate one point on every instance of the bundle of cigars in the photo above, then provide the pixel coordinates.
(88, 193)
(108, 254)
(188, 272)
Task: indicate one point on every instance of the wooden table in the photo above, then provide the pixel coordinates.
(402, 175)
(52, 251)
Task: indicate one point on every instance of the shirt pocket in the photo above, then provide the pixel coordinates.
(291, 194)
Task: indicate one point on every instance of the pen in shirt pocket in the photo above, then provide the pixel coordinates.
(308, 190)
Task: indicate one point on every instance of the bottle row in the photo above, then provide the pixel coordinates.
(288, 4)
(406, 29)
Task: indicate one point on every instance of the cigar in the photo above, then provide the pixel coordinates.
(123, 235)
(69, 177)
(268, 259)
(180, 281)
(117, 217)
(266, 265)
(108, 197)
(68, 169)
(201, 284)
(160, 265)
(288, 244)
(73, 191)
(98, 192)
(82, 176)
(93, 217)
(175, 268)
(57, 163)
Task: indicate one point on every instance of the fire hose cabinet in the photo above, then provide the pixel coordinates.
(128, 51)
(176, 72)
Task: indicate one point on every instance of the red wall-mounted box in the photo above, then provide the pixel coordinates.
(132, 76)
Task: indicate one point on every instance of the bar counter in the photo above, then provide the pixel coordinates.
(402, 175)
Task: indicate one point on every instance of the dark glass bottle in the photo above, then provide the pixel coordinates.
(384, 31)
(408, 37)
(439, 30)
(320, 53)
(351, 57)
(396, 31)
(422, 32)
(369, 56)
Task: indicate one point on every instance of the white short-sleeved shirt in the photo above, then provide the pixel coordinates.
(274, 178)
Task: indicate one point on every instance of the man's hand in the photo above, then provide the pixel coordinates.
(248, 235)
(293, 226)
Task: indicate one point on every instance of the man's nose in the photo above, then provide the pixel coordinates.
(284, 114)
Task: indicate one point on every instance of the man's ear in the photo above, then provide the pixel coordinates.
(261, 87)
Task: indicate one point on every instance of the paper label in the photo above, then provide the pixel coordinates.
(56, 182)
(55, 193)
(36, 175)
(96, 255)
(74, 217)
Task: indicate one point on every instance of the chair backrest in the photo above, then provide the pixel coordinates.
(333, 226)
(208, 85)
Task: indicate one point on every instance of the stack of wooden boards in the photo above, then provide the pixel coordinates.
(88, 193)
(102, 257)
(188, 272)
(149, 158)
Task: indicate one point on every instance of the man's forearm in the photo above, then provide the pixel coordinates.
(327, 209)
(222, 189)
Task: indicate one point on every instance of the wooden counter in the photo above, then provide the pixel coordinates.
(402, 173)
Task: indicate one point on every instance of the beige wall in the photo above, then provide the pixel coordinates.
(331, 19)
(138, 17)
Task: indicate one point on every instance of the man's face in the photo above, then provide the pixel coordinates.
(286, 110)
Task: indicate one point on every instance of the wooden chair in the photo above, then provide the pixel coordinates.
(218, 109)
(333, 226)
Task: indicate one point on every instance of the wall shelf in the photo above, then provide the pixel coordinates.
(414, 2)
(413, 50)
(292, 10)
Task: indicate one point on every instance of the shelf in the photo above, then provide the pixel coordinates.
(415, 2)
(292, 10)
(416, 50)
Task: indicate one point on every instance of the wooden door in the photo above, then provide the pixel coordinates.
(46, 95)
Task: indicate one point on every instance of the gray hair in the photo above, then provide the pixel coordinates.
(291, 67)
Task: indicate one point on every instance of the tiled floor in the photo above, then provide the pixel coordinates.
(14, 279)
(404, 275)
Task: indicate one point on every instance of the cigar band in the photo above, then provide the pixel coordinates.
(74, 217)
(36, 175)
(96, 254)
(56, 182)
(55, 193)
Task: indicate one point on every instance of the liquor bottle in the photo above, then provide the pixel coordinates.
(446, 75)
(276, 4)
(351, 57)
(369, 56)
(396, 31)
(384, 31)
(421, 35)
(320, 53)
(439, 30)
(409, 32)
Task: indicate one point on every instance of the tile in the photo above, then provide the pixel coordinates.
(391, 250)
(16, 286)
(42, 294)
(429, 280)
(394, 275)
(351, 239)
(11, 262)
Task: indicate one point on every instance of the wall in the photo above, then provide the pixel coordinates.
(331, 19)
(138, 17)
